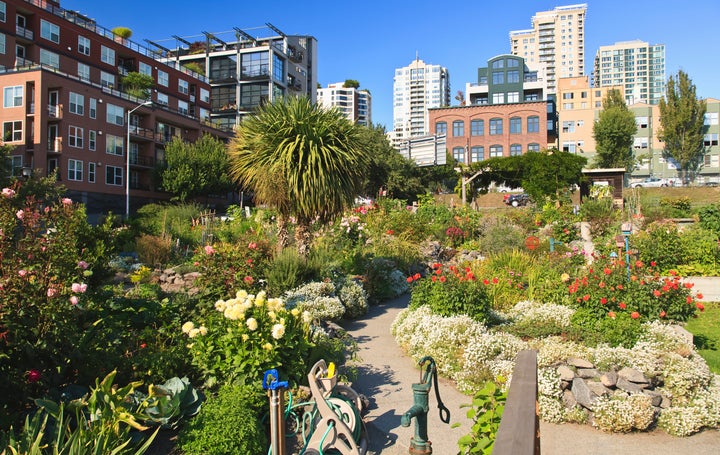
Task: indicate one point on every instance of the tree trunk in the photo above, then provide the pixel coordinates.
(282, 235)
(303, 237)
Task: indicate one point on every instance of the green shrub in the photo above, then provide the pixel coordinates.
(383, 281)
(678, 207)
(178, 221)
(601, 215)
(501, 236)
(451, 291)
(354, 299)
(286, 271)
(228, 424)
(709, 217)
(154, 250)
(616, 330)
(486, 413)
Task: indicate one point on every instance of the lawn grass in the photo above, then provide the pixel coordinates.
(706, 330)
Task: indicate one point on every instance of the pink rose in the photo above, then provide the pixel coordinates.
(22, 272)
(209, 250)
(51, 292)
(74, 300)
(20, 214)
(8, 192)
(67, 201)
(79, 288)
(83, 265)
(33, 376)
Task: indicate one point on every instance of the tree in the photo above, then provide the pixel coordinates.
(301, 159)
(195, 169)
(351, 83)
(137, 85)
(6, 169)
(613, 133)
(682, 117)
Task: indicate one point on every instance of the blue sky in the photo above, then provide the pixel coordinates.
(367, 40)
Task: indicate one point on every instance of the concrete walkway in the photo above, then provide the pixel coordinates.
(386, 375)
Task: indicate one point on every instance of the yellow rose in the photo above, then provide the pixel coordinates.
(188, 326)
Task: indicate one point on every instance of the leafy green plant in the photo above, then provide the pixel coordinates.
(709, 217)
(451, 291)
(286, 271)
(601, 215)
(171, 402)
(486, 413)
(228, 424)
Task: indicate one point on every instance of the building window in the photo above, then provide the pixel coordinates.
(92, 140)
(77, 104)
(496, 126)
(50, 31)
(533, 124)
(498, 77)
(3, 11)
(568, 146)
(513, 77)
(477, 127)
(144, 68)
(113, 175)
(498, 64)
(13, 96)
(183, 107)
(513, 97)
(49, 58)
(710, 140)
(711, 118)
(515, 150)
(114, 145)
(2, 43)
(75, 170)
(162, 99)
(278, 69)
(568, 96)
(641, 122)
(115, 115)
(568, 106)
(163, 78)
(204, 95)
(93, 108)
(477, 154)
(459, 154)
(254, 65)
(83, 45)
(83, 71)
(496, 151)
(498, 98)
(12, 131)
(91, 172)
(533, 147)
(107, 80)
(458, 128)
(568, 126)
(440, 128)
(107, 55)
(183, 86)
(75, 136)
(516, 125)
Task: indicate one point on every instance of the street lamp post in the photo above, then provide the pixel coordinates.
(127, 159)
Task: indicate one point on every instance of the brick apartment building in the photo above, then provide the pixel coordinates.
(65, 110)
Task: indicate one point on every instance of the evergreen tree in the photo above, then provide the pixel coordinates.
(682, 118)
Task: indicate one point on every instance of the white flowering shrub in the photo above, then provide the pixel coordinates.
(549, 382)
(663, 337)
(354, 298)
(309, 291)
(551, 409)
(684, 377)
(555, 350)
(397, 283)
(541, 313)
(642, 357)
(680, 421)
(323, 308)
(623, 414)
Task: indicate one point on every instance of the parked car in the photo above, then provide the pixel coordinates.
(651, 182)
(516, 200)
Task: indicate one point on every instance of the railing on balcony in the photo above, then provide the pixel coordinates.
(24, 32)
(139, 160)
(142, 132)
(55, 111)
(55, 145)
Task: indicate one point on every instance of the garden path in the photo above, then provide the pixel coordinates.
(386, 375)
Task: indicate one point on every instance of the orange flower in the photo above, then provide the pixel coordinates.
(602, 284)
(443, 279)
(611, 314)
(434, 278)
(657, 293)
(700, 306)
(699, 296)
(409, 279)
(607, 271)
(633, 278)
(622, 305)
(662, 314)
(634, 315)
(603, 300)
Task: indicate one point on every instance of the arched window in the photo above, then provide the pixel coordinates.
(496, 151)
(458, 128)
(441, 128)
(515, 150)
(496, 126)
(515, 125)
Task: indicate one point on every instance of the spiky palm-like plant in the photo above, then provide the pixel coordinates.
(301, 159)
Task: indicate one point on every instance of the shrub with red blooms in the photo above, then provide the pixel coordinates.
(450, 291)
(608, 289)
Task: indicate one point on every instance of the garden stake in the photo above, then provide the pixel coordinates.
(277, 416)
(419, 444)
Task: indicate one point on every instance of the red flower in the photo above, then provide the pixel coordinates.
(586, 297)
(607, 271)
(603, 300)
(700, 306)
(486, 282)
(662, 314)
(249, 280)
(409, 279)
(436, 265)
(434, 278)
(602, 284)
(634, 315)
(438, 272)
(657, 293)
(689, 285)
(633, 278)
(672, 272)
(443, 279)
(416, 276)
(494, 280)
(699, 296)
(389, 232)
(143, 345)
(622, 305)
(470, 276)
(611, 314)
(688, 300)
(638, 264)
(620, 286)
(33, 376)
(653, 263)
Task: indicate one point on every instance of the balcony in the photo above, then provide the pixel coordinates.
(142, 161)
(295, 55)
(25, 33)
(55, 111)
(140, 132)
(55, 145)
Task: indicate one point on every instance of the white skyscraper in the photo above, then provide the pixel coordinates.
(636, 65)
(355, 103)
(557, 39)
(417, 87)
